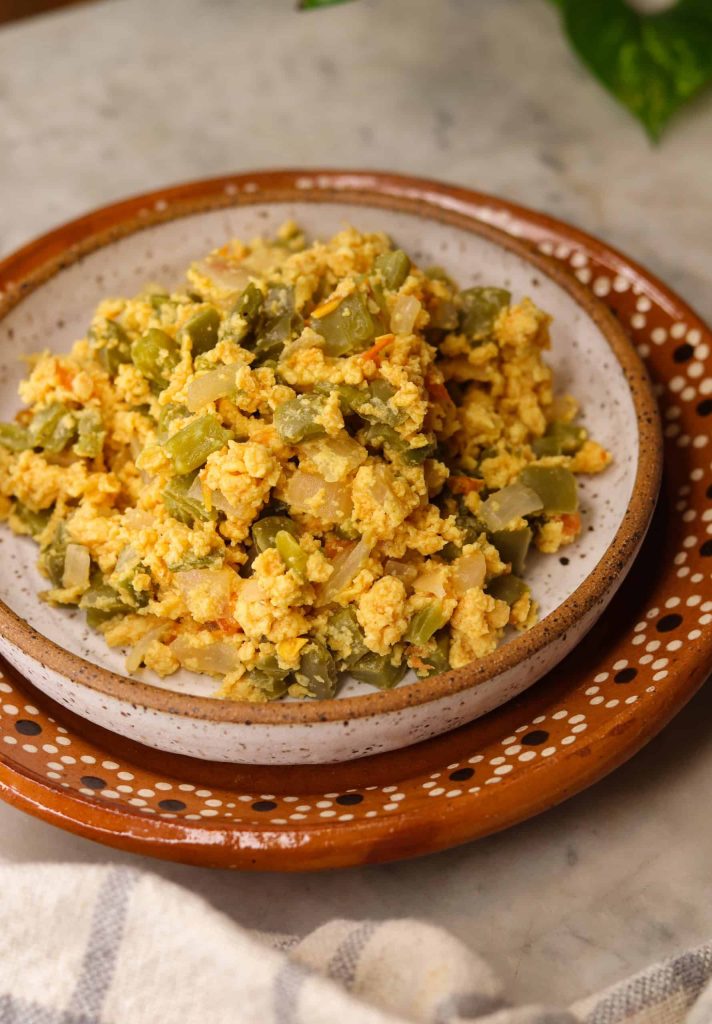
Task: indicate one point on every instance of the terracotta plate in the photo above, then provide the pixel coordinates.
(643, 660)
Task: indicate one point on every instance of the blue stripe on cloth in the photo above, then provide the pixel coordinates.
(466, 1006)
(22, 1011)
(107, 929)
(285, 997)
(687, 974)
(343, 965)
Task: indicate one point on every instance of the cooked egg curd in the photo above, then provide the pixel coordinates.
(313, 459)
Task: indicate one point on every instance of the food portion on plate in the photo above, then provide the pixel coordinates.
(313, 460)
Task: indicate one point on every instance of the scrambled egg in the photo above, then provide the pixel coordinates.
(313, 459)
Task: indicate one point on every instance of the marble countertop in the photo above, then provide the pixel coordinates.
(122, 96)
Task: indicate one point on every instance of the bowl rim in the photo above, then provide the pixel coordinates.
(27, 268)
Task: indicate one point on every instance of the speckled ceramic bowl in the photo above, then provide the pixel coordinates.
(48, 291)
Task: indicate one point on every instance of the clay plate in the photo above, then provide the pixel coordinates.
(642, 661)
(153, 238)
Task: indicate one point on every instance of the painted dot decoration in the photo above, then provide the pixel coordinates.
(27, 728)
(93, 782)
(623, 679)
(535, 738)
(264, 805)
(683, 353)
(172, 805)
(668, 623)
(625, 675)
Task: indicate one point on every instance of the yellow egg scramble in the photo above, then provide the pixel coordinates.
(313, 460)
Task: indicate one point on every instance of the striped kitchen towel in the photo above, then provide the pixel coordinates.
(110, 945)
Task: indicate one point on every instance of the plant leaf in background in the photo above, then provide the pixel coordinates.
(652, 63)
(307, 5)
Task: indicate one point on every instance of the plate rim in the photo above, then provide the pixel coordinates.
(332, 845)
(41, 258)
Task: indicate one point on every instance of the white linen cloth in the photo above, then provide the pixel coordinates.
(113, 945)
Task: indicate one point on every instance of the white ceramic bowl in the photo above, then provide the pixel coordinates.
(120, 249)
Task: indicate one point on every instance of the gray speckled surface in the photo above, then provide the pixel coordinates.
(123, 96)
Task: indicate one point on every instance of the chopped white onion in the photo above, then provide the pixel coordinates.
(217, 498)
(432, 581)
(195, 491)
(333, 503)
(469, 572)
(137, 519)
(510, 503)
(216, 659)
(138, 651)
(383, 489)
(224, 273)
(210, 386)
(251, 591)
(77, 561)
(346, 566)
(334, 457)
(128, 557)
(219, 583)
(220, 502)
(403, 571)
(263, 260)
(404, 314)
(307, 339)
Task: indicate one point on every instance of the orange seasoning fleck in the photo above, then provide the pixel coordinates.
(265, 436)
(228, 626)
(465, 484)
(571, 521)
(374, 352)
(65, 377)
(437, 390)
(416, 662)
(326, 307)
(334, 546)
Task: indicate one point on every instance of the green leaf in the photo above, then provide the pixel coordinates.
(652, 63)
(307, 5)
